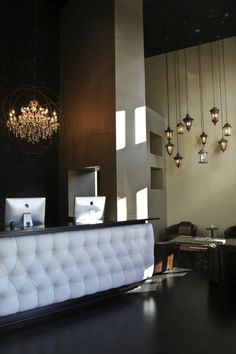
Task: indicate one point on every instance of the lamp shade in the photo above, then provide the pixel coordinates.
(203, 137)
(168, 133)
(178, 159)
(180, 128)
(169, 148)
(223, 144)
(227, 129)
(203, 155)
(214, 114)
(188, 122)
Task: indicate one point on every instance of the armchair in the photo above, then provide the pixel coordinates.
(164, 251)
(230, 232)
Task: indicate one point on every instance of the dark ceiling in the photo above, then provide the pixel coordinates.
(172, 24)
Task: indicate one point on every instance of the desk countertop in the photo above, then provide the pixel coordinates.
(72, 227)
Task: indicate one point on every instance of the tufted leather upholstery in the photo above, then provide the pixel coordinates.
(44, 269)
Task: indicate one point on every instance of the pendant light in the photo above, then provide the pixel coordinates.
(179, 126)
(203, 155)
(227, 127)
(203, 135)
(214, 110)
(222, 142)
(187, 119)
(178, 158)
(169, 148)
(168, 131)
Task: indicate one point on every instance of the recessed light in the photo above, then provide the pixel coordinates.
(197, 30)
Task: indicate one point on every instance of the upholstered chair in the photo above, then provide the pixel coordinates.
(164, 251)
(230, 232)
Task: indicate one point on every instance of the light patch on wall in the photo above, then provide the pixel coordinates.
(120, 130)
(140, 125)
(121, 209)
(142, 203)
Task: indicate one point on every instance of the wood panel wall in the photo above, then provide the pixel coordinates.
(87, 90)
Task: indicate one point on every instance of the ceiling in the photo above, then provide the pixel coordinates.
(175, 24)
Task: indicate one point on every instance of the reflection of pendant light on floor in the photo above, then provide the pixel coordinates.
(180, 126)
(187, 120)
(222, 142)
(168, 132)
(227, 127)
(203, 135)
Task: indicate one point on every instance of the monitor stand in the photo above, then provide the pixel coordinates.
(27, 220)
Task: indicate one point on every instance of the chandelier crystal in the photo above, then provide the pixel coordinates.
(34, 123)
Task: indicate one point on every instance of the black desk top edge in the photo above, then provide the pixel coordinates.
(47, 230)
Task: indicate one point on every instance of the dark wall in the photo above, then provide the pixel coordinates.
(88, 95)
(27, 170)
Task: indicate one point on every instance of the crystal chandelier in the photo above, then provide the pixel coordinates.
(34, 123)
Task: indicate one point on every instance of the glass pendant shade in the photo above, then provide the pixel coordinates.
(223, 144)
(180, 128)
(168, 133)
(214, 115)
(203, 155)
(203, 137)
(227, 129)
(178, 159)
(169, 148)
(188, 122)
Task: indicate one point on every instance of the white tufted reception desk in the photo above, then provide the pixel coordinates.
(45, 270)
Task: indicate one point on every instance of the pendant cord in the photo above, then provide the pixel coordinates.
(186, 79)
(212, 75)
(35, 40)
(200, 86)
(222, 118)
(223, 59)
(167, 90)
(179, 85)
(176, 104)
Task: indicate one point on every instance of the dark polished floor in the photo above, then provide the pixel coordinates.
(177, 313)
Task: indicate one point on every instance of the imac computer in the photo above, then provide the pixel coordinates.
(24, 212)
(89, 209)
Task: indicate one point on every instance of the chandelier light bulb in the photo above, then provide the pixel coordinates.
(35, 123)
(214, 115)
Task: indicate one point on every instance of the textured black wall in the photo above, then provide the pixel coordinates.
(26, 170)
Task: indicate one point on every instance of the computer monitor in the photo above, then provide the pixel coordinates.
(89, 209)
(24, 212)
